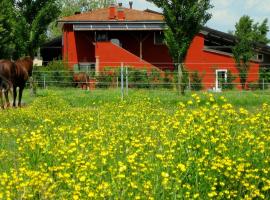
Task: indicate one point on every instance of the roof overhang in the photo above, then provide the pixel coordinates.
(116, 26)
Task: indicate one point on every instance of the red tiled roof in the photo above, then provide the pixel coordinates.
(103, 15)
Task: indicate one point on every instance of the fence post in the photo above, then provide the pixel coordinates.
(126, 80)
(189, 82)
(263, 84)
(122, 80)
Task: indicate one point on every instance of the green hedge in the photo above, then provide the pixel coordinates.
(56, 73)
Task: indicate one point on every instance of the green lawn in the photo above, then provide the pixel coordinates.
(81, 98)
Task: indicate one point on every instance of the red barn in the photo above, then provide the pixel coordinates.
(111, 36)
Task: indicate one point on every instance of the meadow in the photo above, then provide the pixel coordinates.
(73, 144)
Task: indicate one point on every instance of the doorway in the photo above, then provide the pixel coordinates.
(221, 78)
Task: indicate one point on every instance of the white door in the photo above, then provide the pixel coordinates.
(221, 77)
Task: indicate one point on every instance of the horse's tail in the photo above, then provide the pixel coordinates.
(5, 84)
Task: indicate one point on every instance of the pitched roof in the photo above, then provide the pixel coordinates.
(103, 15)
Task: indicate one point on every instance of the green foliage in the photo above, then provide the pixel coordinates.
(34, 18)
(184, 20)
(23, 26)
(108, 77)
(247, 35)
(264, 78)
(7, 45)
(55, 74)
(260, 32)
(253, 85)
(228, 84)
(196, 81)
(137, 78)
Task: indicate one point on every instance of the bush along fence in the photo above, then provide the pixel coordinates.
(57, 74)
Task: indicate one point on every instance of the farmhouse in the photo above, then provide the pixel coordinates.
(111, 36)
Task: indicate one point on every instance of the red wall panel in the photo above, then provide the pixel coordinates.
(111, 55)
(79, 47)
(206, 63)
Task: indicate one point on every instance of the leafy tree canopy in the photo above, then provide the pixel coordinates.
(23, 25)
(7, 22)
(184, 19)
(248, 34)
(34, 18)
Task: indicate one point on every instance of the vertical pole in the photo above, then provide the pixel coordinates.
(127, 80)
(97, 65)
(180, 78)
(122, 80)
(189, 82)
(140, 46)
(263, 84)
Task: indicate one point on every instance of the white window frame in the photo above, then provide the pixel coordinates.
(217, 83)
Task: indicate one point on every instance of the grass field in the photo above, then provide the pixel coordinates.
(73, 144)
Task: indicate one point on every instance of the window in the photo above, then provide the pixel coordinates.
(86, 67)
(159, 38)
(102, 37)
(258, 57)
(221, 78)
(116, 42)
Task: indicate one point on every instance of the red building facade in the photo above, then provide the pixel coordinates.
(112, 36)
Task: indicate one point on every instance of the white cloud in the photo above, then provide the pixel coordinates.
(225, 12)
(139, 4)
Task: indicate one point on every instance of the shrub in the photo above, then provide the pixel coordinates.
(196, 81)
(228, 84)
(253, 86)
(56, 73)
(108, 77)
(264, 78)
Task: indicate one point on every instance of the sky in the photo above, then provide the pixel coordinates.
(225, 12)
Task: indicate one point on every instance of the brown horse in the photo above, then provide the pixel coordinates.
(81, 80)
(23, 70)
(7, 71)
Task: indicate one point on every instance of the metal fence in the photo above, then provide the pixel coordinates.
(124, 77)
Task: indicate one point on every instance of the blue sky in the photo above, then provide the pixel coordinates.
(225, 12)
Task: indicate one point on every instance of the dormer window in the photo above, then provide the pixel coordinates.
(258, 57)
(102, 37)
(159, 38)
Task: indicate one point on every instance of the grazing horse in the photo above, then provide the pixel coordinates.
(82, 80)
(23, 70)
(7, 70)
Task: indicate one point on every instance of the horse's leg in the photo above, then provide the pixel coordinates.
(14, 96)
(20, 95)
(1, 99)
(7, 100)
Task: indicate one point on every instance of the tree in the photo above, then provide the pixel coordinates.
(7, 22)
(32, 20)
(184, 19)
(247, 35)
(69, 7)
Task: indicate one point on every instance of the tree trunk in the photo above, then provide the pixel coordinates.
(181, 88)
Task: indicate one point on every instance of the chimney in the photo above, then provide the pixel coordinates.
(130, 4)
(112, 11)
(120, 12)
